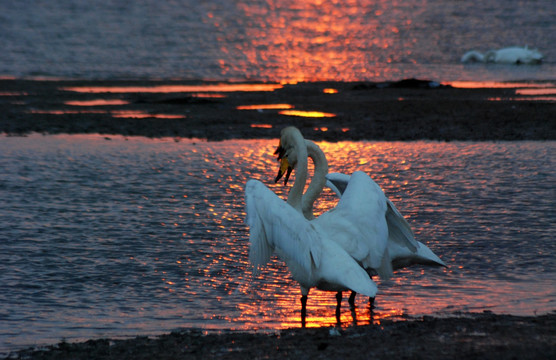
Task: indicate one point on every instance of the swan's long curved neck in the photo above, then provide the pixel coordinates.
(318, 181)
(296, 192)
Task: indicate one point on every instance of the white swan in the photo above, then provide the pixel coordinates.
(402, 249)
(510, 55)
(313, 259)
(358, 222)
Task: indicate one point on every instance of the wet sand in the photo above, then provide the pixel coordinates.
(363, 111)
(465, 336)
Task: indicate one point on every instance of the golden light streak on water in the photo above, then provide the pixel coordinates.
(262, 126)
(304, 113)
(96, 102)
(66, 112)
(135, 114)
(13, 93)
(536, 91)
(206, 88)
(496, 84)
(209, 95)
(524, 91)
(265, 107)
(529, 98)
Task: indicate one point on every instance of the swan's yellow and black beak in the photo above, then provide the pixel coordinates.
(285, 168)
(280, 151)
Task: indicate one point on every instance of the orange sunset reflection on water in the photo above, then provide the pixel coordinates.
(179, 246)
(317, 40)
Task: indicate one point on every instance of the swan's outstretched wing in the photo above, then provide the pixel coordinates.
(402, 247)
(275, 225)
(358, 223)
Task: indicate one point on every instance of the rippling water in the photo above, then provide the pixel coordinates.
(273, 40)
(136, 236)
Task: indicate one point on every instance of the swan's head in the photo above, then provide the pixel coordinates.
(533, 56)
(287, 152)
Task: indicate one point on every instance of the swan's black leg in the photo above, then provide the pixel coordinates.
(371, 307)
(352, 299)
(303, 309)
(338, 305)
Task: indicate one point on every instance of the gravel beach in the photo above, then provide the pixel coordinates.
(464, 336)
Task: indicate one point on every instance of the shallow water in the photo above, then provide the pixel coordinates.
(107, 237)
(273, 40)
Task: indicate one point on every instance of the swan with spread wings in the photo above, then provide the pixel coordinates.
(312, 256)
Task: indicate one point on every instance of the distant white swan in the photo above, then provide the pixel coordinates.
(510, 55)
(312, 257)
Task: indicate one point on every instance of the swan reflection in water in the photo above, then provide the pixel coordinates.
(364, 235)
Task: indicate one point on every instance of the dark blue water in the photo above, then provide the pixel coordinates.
(120, 237)
(283, 40)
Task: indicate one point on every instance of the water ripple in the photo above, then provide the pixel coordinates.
(137, 236)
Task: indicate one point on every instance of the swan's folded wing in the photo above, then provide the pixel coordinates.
(275, 225)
